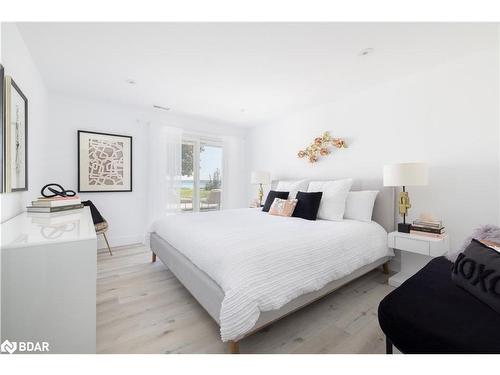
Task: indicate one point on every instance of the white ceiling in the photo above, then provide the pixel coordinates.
(216, 70)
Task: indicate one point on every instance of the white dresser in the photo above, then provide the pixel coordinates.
(49, 280)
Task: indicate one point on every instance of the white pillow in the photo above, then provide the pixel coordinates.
(359, 205)
(292, 186)
(332, 204)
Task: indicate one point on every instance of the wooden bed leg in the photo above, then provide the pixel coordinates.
(385, 268)
(233, 347)
(153, 258)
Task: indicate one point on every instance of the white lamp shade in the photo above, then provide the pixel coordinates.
(406, 174)
(260, 177)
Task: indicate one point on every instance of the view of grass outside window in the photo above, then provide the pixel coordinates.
(201, 167)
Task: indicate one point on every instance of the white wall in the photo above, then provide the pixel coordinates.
(126, 212)
(447, 116)
(18, 63)
(235, 172)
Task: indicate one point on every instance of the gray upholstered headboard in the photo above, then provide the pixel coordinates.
(384, 210)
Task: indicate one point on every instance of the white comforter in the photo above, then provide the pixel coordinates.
(262, 262)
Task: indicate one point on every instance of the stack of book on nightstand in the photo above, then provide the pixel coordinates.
(55, 204)
(429, 228)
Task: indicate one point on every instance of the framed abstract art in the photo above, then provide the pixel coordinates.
(15, 137)
(104, 162)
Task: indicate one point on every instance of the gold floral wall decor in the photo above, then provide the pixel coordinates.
(321, 147)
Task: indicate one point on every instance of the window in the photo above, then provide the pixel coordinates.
(201, 175)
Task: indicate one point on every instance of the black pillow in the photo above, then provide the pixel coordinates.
(307, 205)
(270, 198)
(477, 270)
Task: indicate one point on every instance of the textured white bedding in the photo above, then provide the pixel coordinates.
(262, 262)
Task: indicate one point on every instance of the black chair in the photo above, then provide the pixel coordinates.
(429, 314)
(100, 224)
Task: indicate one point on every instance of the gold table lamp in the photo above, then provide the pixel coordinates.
(405, 174)
(260, 178)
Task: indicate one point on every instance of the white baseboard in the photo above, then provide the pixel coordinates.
(119, 241)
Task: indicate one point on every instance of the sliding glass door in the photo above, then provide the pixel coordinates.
(210, 185)
(201, 175)
(188, 175)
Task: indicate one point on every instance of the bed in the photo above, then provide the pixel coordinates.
(276, 265)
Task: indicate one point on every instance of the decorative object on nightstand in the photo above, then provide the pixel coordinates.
(428, 226)
(416, 252)
(405, 174)
(260, 178)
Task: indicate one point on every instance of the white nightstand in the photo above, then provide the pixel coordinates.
(416, 252)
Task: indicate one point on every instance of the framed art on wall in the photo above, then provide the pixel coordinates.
(15, 137)
(104, 162)
(2, 114)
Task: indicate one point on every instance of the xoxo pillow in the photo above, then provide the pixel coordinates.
(477, 270)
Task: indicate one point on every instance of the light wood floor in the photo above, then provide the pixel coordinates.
(142, 308)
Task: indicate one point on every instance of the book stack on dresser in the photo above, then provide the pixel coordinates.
(55, 204)
(428, 228)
